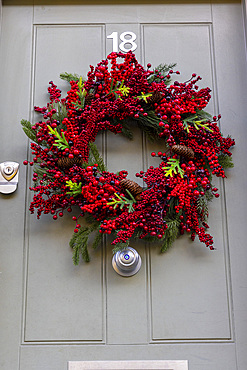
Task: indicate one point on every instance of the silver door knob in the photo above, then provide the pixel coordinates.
(127, 262)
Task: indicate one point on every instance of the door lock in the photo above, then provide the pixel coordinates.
(126, 262)
(9, 172)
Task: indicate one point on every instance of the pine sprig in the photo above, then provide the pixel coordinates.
(69, 76)
(126, 131)
(97, 240)
(27, 128)
(202, 207)
(61, 112)
(81, 94)
(171, 233)
(120, 246)
(95, 157)
(163, 70)
(225, 161)
(79, 243)
(41, 171)
(149, 124)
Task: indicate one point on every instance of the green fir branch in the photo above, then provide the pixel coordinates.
(96, 158)
(171, 233)
(149, 125)
(41, 171)
(202, 207)
(61, 113)
(97, 240)
(120, 246)
(163, 70)
(126, 131)
(173, 167)
(79, 243)
(209, 195)
(69, 76)
(225, 161)
(27, 128)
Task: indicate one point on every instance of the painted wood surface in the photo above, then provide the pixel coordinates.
(185, 305)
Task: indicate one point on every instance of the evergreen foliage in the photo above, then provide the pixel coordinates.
(79, 243)
(61, 113)
(173, 167)
(69, 76)
(27, 128)
(148, 124)
(162, 69)
(171, 233)
(120, 246)
(122, 201)
(95, 157)
(225, 161)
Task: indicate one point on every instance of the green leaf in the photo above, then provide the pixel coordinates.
(75, 189)
(61, 141)
(173, 167)
(197, 120)
(122, 201)
(144, 96)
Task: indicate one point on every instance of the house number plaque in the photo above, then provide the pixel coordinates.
(125, 365)
(127, 38)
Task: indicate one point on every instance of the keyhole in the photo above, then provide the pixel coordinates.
(8, 170)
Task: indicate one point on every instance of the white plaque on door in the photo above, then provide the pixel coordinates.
(124, 365)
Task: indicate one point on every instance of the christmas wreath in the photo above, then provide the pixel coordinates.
(69, 171)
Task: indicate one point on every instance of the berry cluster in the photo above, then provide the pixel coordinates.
(69, 171)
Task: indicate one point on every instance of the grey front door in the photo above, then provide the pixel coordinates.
(188, 304)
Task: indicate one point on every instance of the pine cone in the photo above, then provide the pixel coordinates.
(184, 151)
(65, 162)
(133, 188)
(156, 97)
(88, 98)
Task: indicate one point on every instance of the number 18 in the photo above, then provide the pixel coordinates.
(131, 41)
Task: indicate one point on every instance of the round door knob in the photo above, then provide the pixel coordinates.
(126, 262)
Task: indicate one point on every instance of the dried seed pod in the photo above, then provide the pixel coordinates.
(156, 97)
(184, 151)
(66, 162)
(88, 99)
(133, 188)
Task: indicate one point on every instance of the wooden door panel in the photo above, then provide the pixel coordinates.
(179, 306)
(63, 290)
(204, 305)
